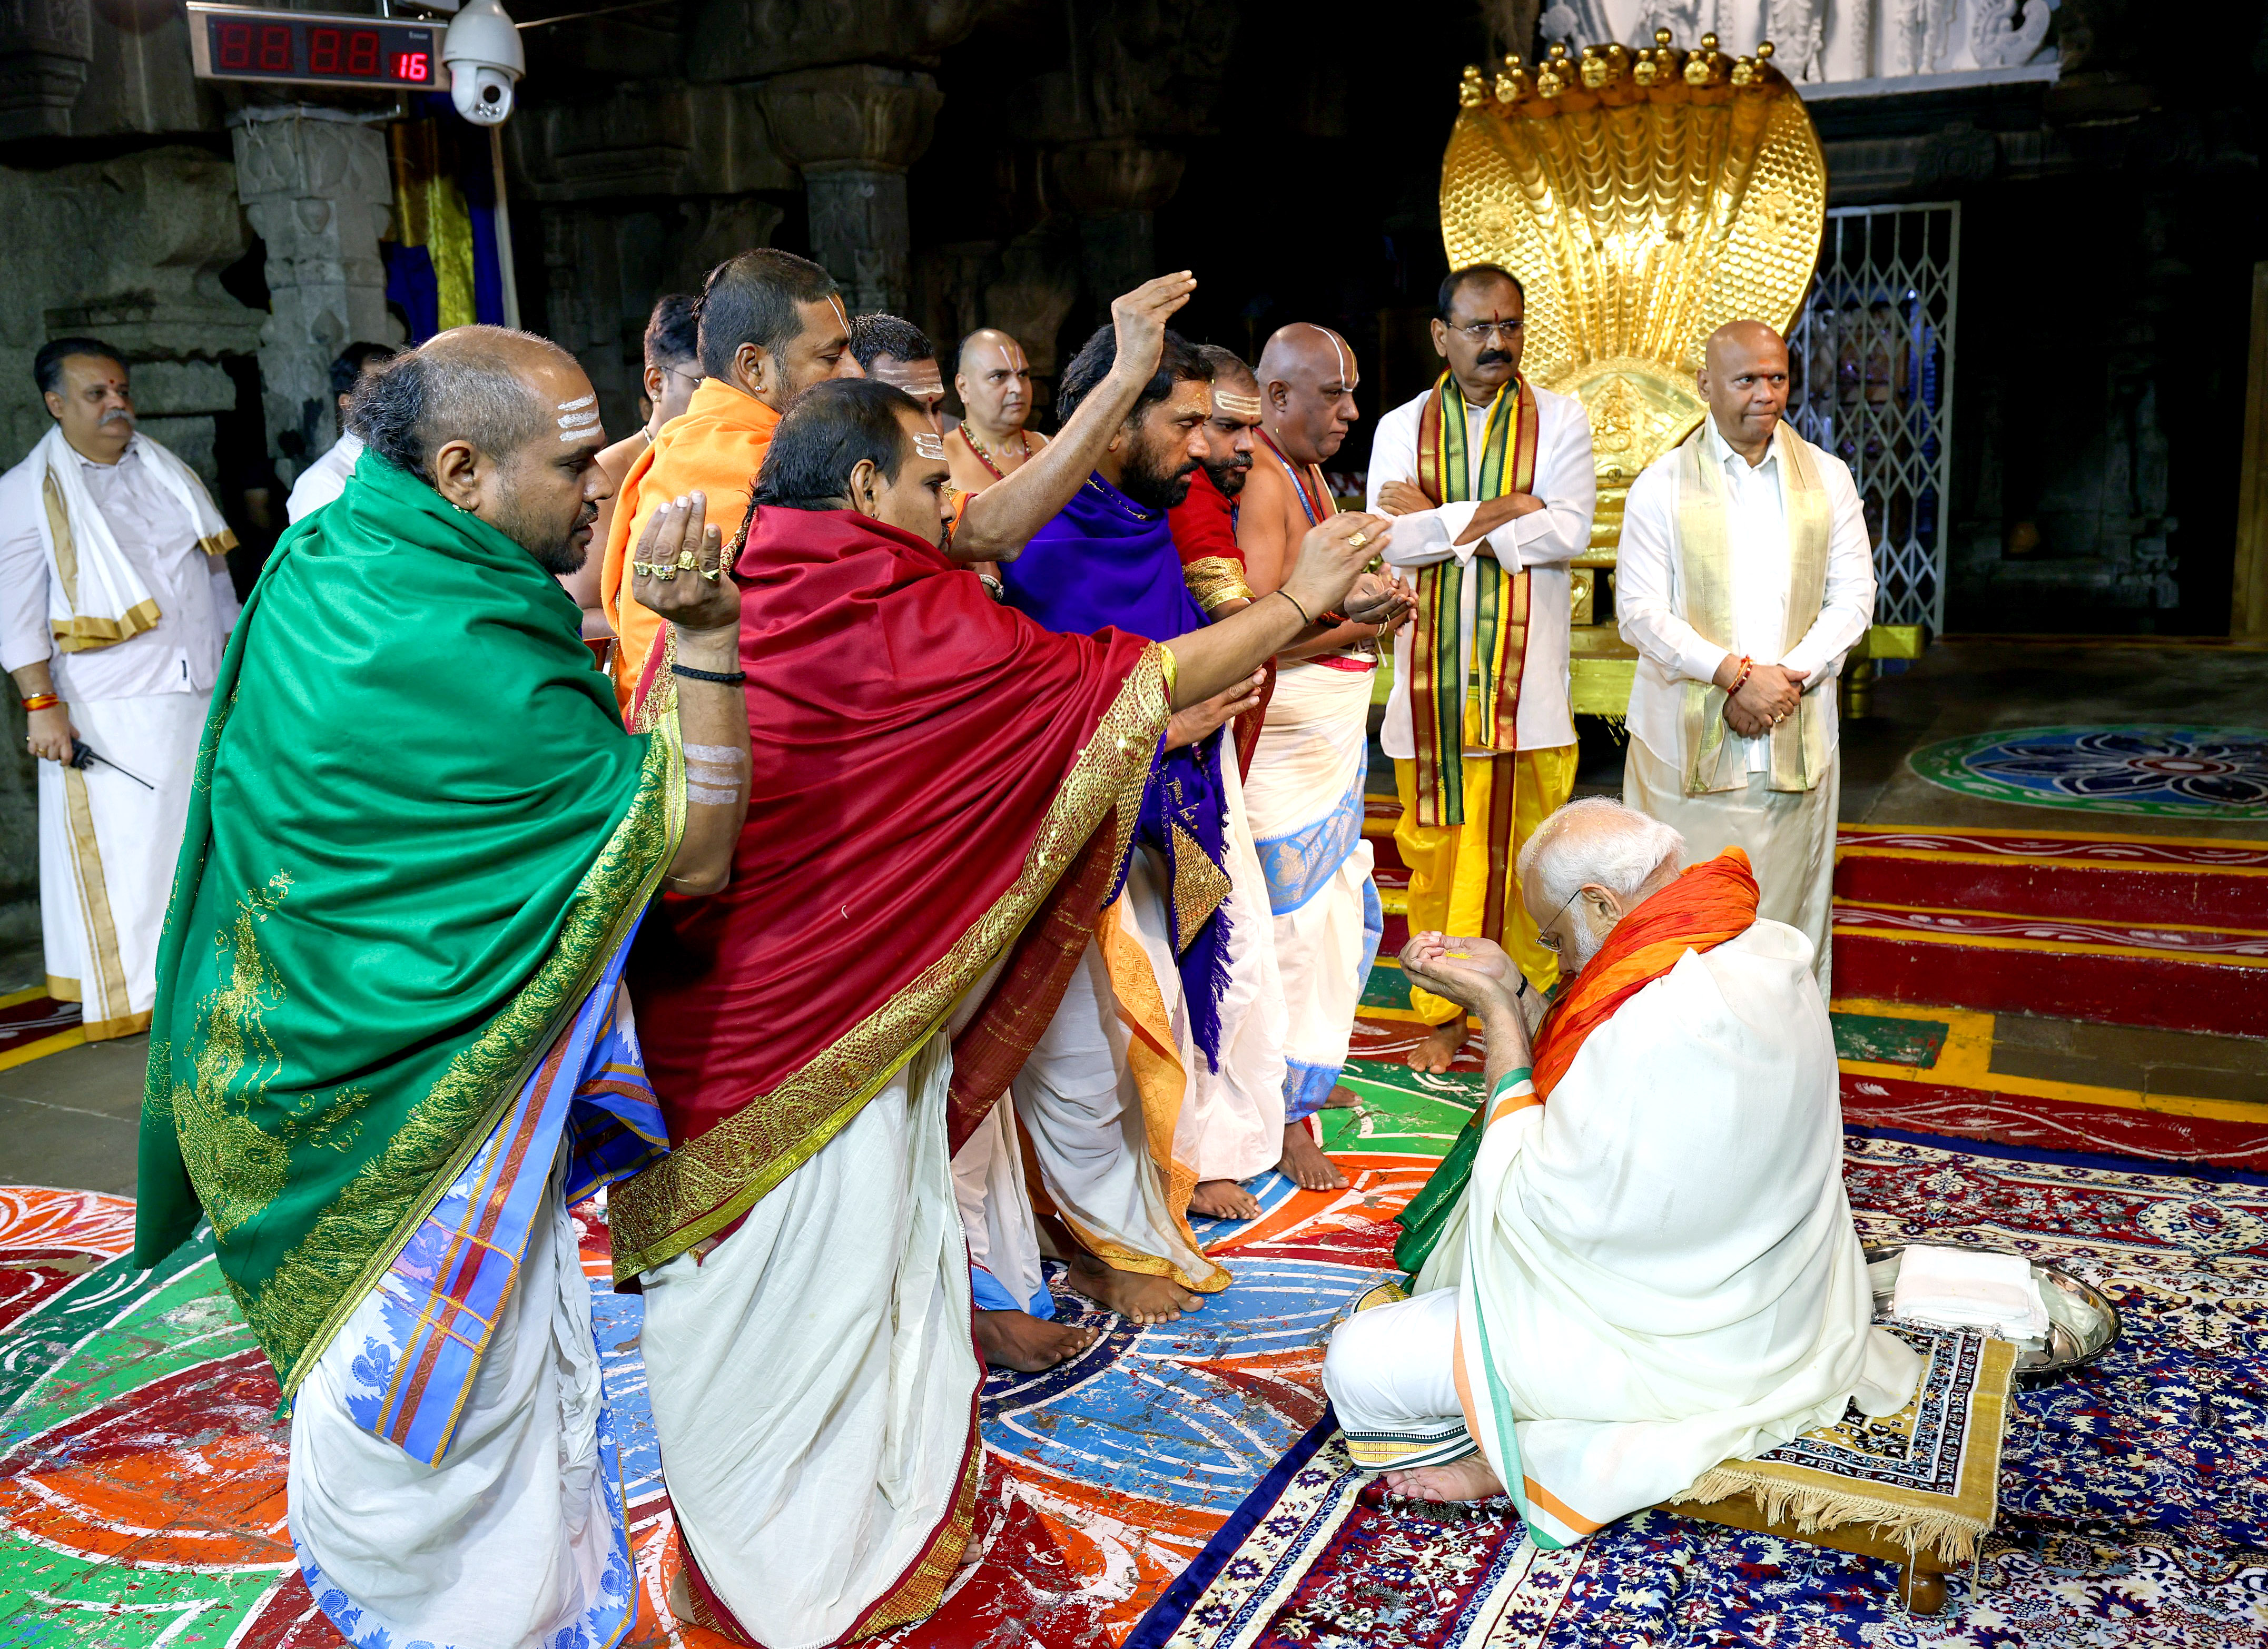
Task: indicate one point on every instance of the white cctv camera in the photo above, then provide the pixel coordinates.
(485, 61)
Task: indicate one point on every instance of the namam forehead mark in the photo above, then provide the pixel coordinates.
(1233, 404)
(929, 446)
(578, 417)
(915, 377)
(1305, 351)
(842, 315)
(1008, 355)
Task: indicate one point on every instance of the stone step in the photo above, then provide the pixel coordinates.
(2077, 875)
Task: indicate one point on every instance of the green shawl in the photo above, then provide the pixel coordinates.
(418, 832)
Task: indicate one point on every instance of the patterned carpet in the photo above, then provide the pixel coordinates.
(141, 1460)
(2151, 769)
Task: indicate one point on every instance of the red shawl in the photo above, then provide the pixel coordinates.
(1706, 905)
(928, 765)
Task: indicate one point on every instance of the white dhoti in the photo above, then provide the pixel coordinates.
(517, 1539)
(107, 853)
(1103, 1098)
(1305, 801)
(1653, 1273)
(814, 1384)
(1238, 1105)
(1789, 836)
(997, 1218)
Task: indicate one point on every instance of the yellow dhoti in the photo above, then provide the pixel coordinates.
(1449, 863)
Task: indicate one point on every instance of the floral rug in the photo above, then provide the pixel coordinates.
(2148, 768)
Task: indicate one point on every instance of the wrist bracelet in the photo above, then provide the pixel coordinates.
(721, 678)
(41, 701)
(1296, 608)
(1748, 669)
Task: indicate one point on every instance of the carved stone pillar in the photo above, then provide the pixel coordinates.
(852, 131)
(45, 48)
(319, 192)
(1116, 186)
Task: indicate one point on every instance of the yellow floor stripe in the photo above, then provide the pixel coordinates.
(1967, 1062)
(72, 1038)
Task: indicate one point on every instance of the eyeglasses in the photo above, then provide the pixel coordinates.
(1480, 331)
(1544, 936)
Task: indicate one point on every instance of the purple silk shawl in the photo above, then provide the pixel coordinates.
(1108, 562)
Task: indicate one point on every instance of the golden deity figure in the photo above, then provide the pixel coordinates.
(1644, 198)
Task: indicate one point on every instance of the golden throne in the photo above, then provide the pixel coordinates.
(1644, 198)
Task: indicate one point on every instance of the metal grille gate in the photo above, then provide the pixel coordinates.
(1871, 381)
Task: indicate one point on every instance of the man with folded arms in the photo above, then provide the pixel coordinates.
(1495, 483)
(1745, 576)
(905, 910)
(390, 1046)
(772, 325)
(1647, 1266)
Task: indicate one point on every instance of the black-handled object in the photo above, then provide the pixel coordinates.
(82, 754)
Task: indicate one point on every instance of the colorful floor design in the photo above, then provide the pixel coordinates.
(2143, 768)
(141, 1460)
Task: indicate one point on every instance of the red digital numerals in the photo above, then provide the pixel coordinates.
(344, 54)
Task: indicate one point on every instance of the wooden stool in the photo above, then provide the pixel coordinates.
(1921, 1574)
(1918, 1487)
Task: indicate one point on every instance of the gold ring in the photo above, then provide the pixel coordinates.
(1359, 540)
(711, 573)
(687, 559)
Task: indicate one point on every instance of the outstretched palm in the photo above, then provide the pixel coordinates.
(1473, 972)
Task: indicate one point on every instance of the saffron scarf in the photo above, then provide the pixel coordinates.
(1442, 677)
(928, 767)
(384, 912)
(1708, 904)
(715, 446)
(1106, 563)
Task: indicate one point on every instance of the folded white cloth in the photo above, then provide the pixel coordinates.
(1961, 1288)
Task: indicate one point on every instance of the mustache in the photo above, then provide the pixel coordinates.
(118, 415)
(1491, 358)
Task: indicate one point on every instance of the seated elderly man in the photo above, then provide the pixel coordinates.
(1653, 1268)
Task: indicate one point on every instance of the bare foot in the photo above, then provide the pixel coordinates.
(1304, 1163)
(973, 1552)
(1224, 1199)
(1467, 1479)
(1439, 1046)
(1342, 1098)
(1134, 1295)
(1018, 1340)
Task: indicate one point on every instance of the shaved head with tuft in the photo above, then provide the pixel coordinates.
(1308, 377)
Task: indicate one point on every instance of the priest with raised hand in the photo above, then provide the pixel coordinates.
(771, 325)
(391, 1046)
(1745, 577)
(1638, 1261)
(905, 911)
(1494, 483)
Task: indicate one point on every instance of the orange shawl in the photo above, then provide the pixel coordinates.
(717, 445)
(1706, 906)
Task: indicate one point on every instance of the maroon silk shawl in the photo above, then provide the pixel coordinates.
(928, 765)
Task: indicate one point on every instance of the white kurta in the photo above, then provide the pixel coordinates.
(1238, 1106)
(1789, 836)
(1654, 1272)
(1541, 542)
(325, 479)
(106, 844)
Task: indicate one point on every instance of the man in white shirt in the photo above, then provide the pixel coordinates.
(115, 604)
(326, 478)
(1744, 575)
(1478, 724)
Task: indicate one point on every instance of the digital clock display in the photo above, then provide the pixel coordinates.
(245, 43)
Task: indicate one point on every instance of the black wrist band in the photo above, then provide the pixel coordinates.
(733, 679)
(1296, 608)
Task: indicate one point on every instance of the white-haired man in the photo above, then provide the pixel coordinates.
(1650, 1267)
(1744, 575)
